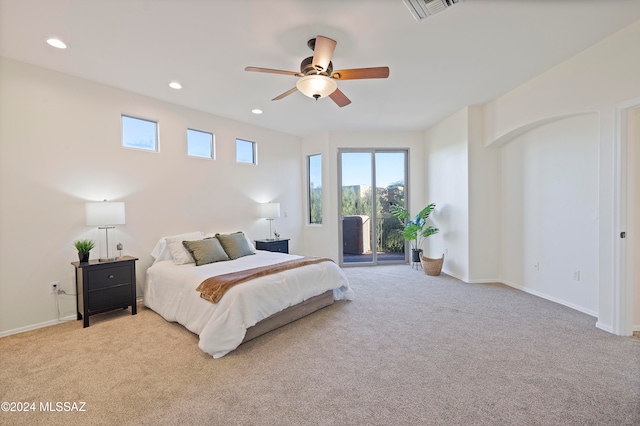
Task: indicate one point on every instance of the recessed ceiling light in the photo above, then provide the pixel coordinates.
(256, 111)
(175, 85)
(57, 43)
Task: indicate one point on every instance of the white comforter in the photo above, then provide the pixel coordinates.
(170, 291)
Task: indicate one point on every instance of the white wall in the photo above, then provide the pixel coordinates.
(485, 216)
(596, 80)
(463, 181)
(447, 168)
(324, 240)
(318, 238)
(60, 146)
(550, 212)
(634, 198)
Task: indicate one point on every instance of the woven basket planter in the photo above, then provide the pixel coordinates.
(432, 266)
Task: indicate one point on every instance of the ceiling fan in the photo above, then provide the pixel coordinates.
(317, 77)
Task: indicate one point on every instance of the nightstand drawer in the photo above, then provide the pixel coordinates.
(108, 277)
(109, 298)
(279, 246)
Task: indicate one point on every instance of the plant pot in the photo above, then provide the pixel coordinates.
(432, 266)
(415, 255)
(84, 257)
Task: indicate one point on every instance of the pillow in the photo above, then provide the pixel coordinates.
(206, 251)
(235, 245)
(251, 246)
(161, 250)
(181, 255)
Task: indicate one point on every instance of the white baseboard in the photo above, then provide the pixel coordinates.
(451, 274)
(604, 327)
(476, 281)
(39, 325)
(484, 281)
(73, 317)
(551, 298)
(535, 293)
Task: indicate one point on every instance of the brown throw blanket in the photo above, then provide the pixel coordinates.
(213, 288)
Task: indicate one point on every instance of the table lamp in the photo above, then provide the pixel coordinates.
(105, 215)
(270, 211)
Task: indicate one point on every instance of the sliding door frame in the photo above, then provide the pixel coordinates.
(374, 236)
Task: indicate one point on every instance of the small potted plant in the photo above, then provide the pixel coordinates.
(83, 247)
(415, 230)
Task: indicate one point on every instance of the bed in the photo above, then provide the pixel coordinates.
(246, 310)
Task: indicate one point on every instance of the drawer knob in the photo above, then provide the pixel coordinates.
(111, 276)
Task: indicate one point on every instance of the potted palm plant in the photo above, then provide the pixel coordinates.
(83, 247)
(415, 230)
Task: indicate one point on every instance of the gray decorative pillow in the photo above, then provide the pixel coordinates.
(206, 251)
(235, 244)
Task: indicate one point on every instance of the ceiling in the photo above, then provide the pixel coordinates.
(468, 54)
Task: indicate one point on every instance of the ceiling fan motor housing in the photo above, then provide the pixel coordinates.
(307, 68)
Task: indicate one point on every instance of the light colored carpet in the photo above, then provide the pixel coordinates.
(409, 350)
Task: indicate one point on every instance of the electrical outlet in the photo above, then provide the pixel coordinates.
(54, 287)
(536, 266)
(576, 275)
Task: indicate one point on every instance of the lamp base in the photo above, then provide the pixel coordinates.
(107, 244)
(270, 219)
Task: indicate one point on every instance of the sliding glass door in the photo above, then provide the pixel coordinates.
(370, 181)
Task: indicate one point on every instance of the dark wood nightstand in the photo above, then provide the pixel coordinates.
(280, 246)
(104, 286)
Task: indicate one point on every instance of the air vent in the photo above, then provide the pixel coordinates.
(420, 9)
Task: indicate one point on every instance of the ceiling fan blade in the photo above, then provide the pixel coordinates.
(339, 98)
(361, 73)
(285, 94)
(322, 52)
(272, 71)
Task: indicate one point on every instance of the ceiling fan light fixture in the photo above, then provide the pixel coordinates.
(316, 86)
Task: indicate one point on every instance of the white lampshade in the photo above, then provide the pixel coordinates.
(316, 86)
(270, 210)
(104, 213)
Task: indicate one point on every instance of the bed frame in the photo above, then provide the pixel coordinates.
(288, 315)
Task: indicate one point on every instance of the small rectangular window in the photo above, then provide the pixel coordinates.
(314, 168)
(200, 144)
(139, 133)
(245, 151)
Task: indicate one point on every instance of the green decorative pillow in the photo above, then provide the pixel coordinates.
(206, 251)
(235, 245)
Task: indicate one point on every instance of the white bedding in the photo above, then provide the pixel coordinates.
(170, 291)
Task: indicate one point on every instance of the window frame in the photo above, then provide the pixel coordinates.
(212, 146)
(254, 147)
(156, 147)
(309, 198)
